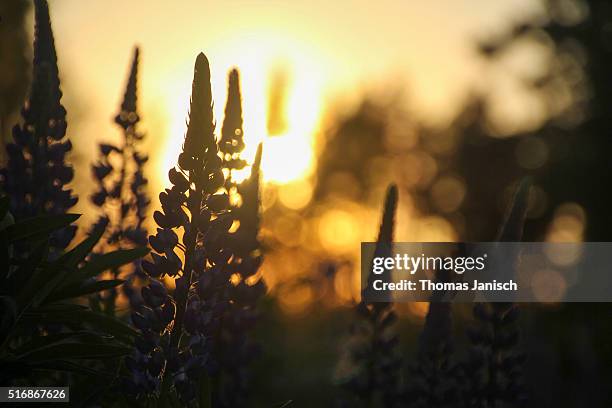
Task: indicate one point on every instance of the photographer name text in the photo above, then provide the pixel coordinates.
(412, 264)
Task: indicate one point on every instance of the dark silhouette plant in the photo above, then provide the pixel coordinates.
(36, 173)
(175, 358)
(235, 350)
(373, 357)
(45, 329)
(121, 190)
(435, 378)
(37, 292)
(491, 375)
(494, 368)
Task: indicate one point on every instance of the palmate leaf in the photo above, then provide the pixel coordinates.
(78, 253)
(26, 267)
(87, 288)
(40, 285)
(78, 316)
(45, 280)
(38, 226)
(109, 261)
(41, 342)
(35, 258)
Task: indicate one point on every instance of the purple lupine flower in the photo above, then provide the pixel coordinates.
(36, 174)
(435, 377)
(236, 350)
(193, 221)
(120, 192)
(154, 321)
(493, 371)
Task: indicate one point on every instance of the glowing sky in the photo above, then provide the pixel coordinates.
(333, 51)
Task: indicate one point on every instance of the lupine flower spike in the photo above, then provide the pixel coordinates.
(234, 349)
(36, 173)
(374, 376)
(495, 364)
(194, 220)
(120, 191)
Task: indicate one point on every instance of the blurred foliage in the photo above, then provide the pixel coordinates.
(14, 50)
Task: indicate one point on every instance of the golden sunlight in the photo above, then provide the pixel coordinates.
(288, 156)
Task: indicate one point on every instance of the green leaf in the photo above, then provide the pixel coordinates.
(73, 291)
(78, 253)
(41, 342)
(34, 259)
(44, 283)
(40, 225)
(109, 261)
(71, 367)
(78, 317)
(41, 284)
(108, 324)
(70, 350)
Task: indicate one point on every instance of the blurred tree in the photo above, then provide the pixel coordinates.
(569, 157)
(343, 165)
(574, 143)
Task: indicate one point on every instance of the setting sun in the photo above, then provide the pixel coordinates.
(288, 155)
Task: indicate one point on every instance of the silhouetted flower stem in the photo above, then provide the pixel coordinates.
(235, 350)
(375, 377)
(199, 150)
(432, 381)
(122, 198)
(494, 367)
(178, 331)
